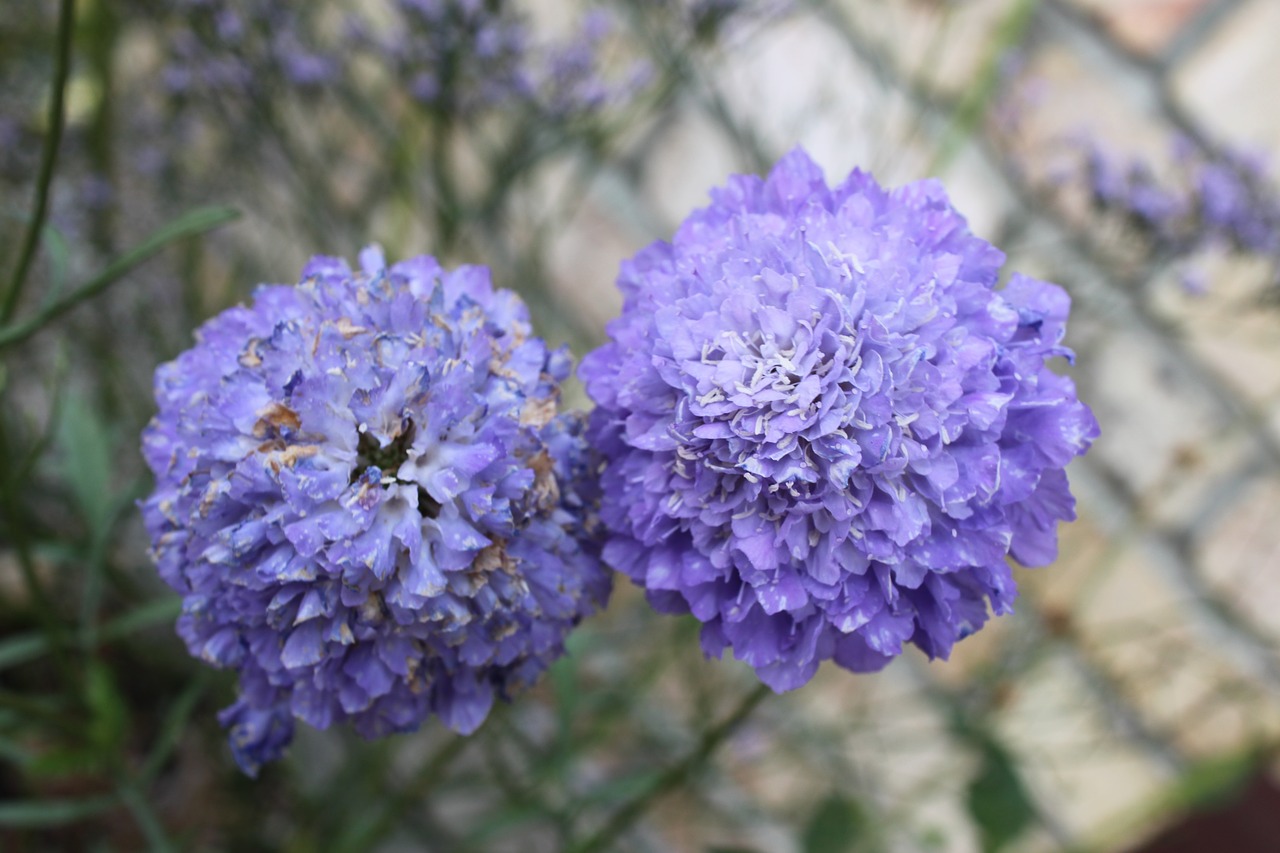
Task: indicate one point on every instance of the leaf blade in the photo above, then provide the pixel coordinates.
(34, 814)
(191, 224)
(998, 803)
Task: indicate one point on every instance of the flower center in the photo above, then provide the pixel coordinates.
(386, 459)
(371, 454)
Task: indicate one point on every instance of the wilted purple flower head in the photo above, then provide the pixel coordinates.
(368, 501)
(825, 429)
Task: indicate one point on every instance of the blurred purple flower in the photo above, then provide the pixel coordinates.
(1222, 199)
(464, 57)
(302, 66)
(456, 55)
(368, 501)
(824, 428)
(96, 192)
(245, 48)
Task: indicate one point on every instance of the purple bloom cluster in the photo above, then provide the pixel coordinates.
(368, 501)
(1222, 200)
(458, 55)
(233, 49)
(465, 56)
(823, 427)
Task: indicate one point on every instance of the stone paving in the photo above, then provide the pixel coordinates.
(1152, 645)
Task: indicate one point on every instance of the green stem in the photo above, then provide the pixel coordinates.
(48, 159)
(15, 526)
(984, 89)
(146, 819)
(673, 777)
(447, 206)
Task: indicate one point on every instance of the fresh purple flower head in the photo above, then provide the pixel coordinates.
(824, 429)
(368, 501)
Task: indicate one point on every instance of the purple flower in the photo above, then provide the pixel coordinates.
(823, 427)
(235, 50)
(464, 57)
(1220, 198)
(455, 55)
(368, 501)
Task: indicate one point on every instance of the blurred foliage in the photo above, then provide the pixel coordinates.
(132, 134)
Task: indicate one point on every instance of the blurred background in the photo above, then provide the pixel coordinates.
(1117, 147)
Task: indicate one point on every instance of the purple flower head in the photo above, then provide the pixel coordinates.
(368, 501)
(823, 427)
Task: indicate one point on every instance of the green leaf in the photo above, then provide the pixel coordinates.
(108, 713)
(14, 753)
(59, 251)
(504, 820)
(84, 453)
(146, 616)
(932, 838)
(999, 804)
(84, 449)
(68, 760)
(22, 649)
(30, 646)
(835, 827)
(564, 685)
(57, 247)
(189, 225)
(94, 741)
(174, 725)
(1214, 781)
(146, 819)
(621, 789)
(45, 813)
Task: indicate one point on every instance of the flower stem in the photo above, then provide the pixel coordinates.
(674, 777)
(411, 795)
(48, 158)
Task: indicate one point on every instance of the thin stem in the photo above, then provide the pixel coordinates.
(145, 818)
(43, 711)
(985, 88)
(673, 777)
(413, 793)
(48, 159)
(448, 208)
